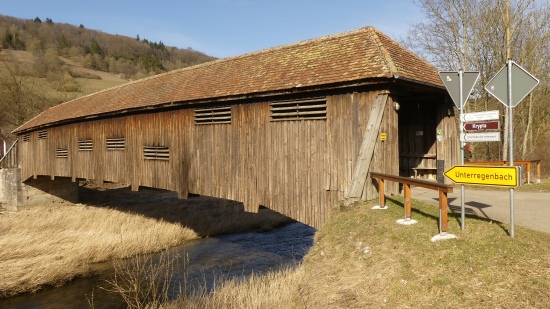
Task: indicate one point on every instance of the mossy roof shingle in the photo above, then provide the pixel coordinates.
(348, 57)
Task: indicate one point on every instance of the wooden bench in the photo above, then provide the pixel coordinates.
(443, 189)
(416, 169)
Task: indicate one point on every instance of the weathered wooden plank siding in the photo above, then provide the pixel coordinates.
(299, 168)
(449, 145)
(386, 153)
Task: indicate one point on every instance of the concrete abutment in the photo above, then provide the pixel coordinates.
(15, 194)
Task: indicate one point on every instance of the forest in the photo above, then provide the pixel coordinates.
(43, 63)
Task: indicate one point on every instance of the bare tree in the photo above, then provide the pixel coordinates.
(481, 35)
(20, 96)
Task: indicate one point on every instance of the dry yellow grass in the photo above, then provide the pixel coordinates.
(363, 259)
(276, 290)
(51, 244)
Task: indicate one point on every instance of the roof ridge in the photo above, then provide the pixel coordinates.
(385, 54)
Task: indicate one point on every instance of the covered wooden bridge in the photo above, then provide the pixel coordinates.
(293, 128)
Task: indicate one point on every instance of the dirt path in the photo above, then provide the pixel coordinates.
(531, 209)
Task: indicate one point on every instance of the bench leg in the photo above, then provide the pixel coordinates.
(407, 201)
(381, 194)
(443, 218)
(538, 171)
(443, 211)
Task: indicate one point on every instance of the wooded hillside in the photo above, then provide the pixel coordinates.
(44, 63)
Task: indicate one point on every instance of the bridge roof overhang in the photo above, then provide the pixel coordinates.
(350, 59)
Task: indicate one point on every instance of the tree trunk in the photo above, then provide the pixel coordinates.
(527, 135)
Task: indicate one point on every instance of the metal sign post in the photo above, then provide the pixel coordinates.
(462, 145)
(460, 90)
(511, 141)
(510, 86)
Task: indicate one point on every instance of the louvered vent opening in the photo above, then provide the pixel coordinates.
(86, 145)
(62, 153)
(213, 115)
(26, 137)
(299, 110)
(43, 134)
(156, 153)
(116, 143)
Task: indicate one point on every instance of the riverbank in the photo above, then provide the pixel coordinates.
(52, 244)
(363, 259)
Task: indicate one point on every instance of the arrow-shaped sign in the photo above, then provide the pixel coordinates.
(481, 126)
(452, 83)
(480, 116)
(502, 176)
(480, 137)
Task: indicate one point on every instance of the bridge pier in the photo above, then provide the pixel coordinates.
(40, 190)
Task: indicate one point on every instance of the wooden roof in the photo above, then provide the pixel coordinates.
(350, 57)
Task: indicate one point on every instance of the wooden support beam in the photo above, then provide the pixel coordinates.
(443, 211)
(407, 188)
(538, 171)
(381, 196)
(367, 147)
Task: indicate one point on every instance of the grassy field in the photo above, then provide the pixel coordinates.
(363, 259)
(51, 244)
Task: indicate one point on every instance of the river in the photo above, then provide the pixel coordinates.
(225, 256)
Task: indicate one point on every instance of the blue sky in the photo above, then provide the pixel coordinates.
(223, 28)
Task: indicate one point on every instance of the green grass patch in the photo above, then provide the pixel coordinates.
(362, 258)
(94, 85)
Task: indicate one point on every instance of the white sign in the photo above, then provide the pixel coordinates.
(480, 137)
(480, 116)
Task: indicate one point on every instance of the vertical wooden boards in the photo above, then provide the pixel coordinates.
(300, 168)
(387, 151)
(448, 141)
(367, 147)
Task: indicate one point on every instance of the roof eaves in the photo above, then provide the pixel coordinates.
(356, 83)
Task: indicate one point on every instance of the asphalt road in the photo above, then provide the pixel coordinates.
(531, 209)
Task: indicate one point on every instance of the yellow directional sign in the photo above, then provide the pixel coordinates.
(502, 176)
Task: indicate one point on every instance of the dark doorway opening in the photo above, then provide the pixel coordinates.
(417, 138)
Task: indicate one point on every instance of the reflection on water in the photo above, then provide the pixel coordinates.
(225, 256)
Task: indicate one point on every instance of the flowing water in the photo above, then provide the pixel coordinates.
(226, 256)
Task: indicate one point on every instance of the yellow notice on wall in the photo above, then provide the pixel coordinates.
(502, 176)
(382, 136)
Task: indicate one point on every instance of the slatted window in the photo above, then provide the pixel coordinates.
(116, 143)
(213, 115)
(62, 153)
(26, 137)
(299, 110)
(43, 134)
(156, 153)
(86, 145)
